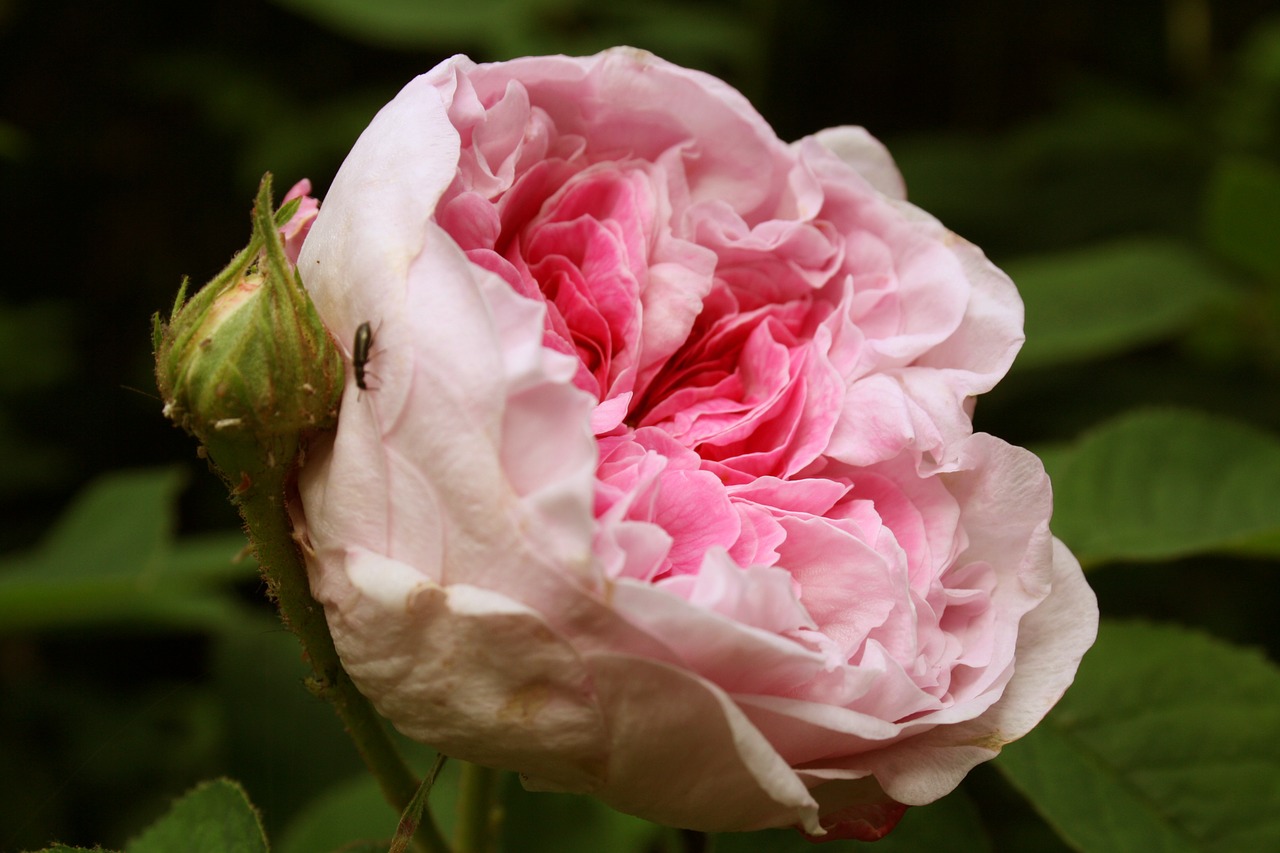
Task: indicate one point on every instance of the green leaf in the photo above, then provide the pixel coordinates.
(414, 22)
(1169, 741)
(951, 825)
(33, 604)
(1247, 105)
(696, 34)
(62, 848)
(283, 745)
(569, 823)
(119, 523)
(1158, 484)
(31, 464)
(215, 817)
(354, 811)
(1242, 214)
(210, 558)
(44, 327)
(111, 558)
(1105, 299)
(346, 813)
(14, 144)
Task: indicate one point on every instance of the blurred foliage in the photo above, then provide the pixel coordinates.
(729, 33)
(1121, 161)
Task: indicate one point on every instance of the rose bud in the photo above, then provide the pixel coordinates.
(665, 488)
(245, 365)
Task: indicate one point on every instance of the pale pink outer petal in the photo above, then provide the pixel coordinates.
(936, 387)
(426, 445)
(358, 251)
(1052, 639)
(633, 102)
(1048, 620)
(423, 457)
(988, 340)
(471, 671)
(717, 775)
(431, 469)
(868, 157)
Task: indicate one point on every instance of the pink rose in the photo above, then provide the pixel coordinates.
(666, 488)
(294, 232)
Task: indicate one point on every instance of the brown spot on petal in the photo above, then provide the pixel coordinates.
(525, 703)
(994, 741)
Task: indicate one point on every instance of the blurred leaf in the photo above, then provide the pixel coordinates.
(569, 823)
(345, 813)
(965, 180)
(1242, 214)
(1100, 120)
(1159, 484)
(13, 142)
(215, 817)
(950, 825)
(32, 604)
(62, 848)
(210, 558)
(283, 744)
(414, 23)
(110, 752)
(1104, 164)
(274, 129)
(35, 340)
(772, 840)
(30, 462)
(1097, 301)
(119, 523)
(1107, 163)
(1260, 56)
(716, 36)
(1168, 741)
(354, 810)
(110, 558)
(694, 34)
(1250, 109)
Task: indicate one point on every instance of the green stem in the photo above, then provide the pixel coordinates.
(262, 507)
(478, 814)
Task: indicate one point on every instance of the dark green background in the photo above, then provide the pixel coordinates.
(132, 139)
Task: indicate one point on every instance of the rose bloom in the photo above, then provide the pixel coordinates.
(664, 487)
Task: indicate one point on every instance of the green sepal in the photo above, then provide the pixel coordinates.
(245, 365)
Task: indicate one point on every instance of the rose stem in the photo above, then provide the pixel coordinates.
(262, 507)
(478, 814)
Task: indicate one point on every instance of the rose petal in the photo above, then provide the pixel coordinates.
(717, 776)
(867, 156)
(482, 677)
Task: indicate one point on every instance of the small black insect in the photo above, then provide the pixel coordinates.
(360, 353)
